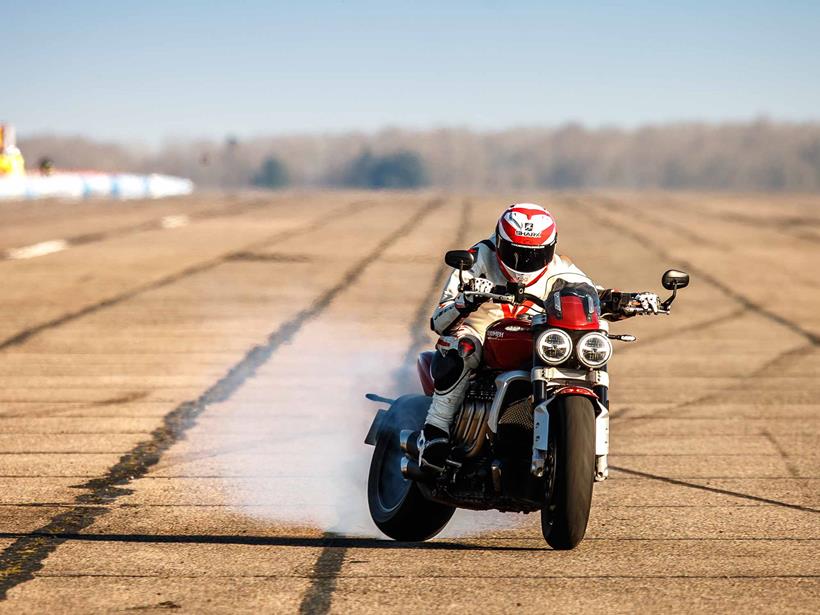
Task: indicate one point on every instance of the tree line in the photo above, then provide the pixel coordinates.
(752, 156)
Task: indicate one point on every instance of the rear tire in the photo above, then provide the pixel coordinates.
(397, 506)
(564, 520)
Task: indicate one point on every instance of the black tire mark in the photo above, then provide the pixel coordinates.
(20, 560)
(420, 324)
(782, 224)
(695, 326)
(777, 361)
(701, 274)
(26, 334)
(782, 452)
(736, 494)
(679, 229)
(319, 595)
(746, 305)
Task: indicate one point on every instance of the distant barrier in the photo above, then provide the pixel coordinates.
(87, 185)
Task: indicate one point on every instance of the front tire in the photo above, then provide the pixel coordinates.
(397, 506)
(564, 520)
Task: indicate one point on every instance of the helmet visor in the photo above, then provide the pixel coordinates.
(522, 258)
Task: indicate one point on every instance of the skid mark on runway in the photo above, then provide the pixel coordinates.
(777, 362)
(318, 597)
(125, 398)
(661, 222)
(787, 225)
(724, 289)
(420, 324)
(311, 226)
(782, 452)
(698, 326)
(737, 494)
(20, 560)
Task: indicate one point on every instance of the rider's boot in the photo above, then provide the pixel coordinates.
(451, 376)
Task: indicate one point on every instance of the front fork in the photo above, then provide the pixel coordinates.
(546, 394)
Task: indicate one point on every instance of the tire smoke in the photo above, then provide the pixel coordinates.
(299, 456)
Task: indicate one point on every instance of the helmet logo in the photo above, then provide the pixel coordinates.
(527, 230)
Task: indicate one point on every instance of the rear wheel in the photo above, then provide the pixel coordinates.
(397, 505)
(564, 520)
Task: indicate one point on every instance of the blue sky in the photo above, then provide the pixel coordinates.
(147, 71)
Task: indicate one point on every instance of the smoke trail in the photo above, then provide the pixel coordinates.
(300, 458)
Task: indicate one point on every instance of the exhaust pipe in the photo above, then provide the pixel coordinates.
(409, 442)
(411, 470)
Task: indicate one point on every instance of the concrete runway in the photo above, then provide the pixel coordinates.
(181, 407)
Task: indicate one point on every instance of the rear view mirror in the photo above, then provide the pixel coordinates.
(459, 259)
(674, 279)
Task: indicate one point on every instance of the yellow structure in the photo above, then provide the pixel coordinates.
(11, 159)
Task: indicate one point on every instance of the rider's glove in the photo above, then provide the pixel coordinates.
(467, 304)
(644, 303)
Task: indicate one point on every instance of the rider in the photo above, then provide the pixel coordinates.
(522, 252)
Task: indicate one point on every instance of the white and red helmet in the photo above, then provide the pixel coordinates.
(525, 240)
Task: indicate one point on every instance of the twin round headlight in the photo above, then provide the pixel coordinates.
(554, 347)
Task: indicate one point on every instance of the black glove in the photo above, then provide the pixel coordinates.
(613, 301)
(624, 305)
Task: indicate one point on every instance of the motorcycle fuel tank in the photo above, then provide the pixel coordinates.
(508, 345)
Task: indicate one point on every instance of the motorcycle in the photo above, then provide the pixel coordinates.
(533, 431)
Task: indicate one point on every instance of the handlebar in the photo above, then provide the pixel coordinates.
(502, 298)
(634, 311)
(511, 299)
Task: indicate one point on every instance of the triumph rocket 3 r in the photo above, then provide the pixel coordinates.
(533, 431)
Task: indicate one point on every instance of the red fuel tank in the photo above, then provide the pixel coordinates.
(508, 344)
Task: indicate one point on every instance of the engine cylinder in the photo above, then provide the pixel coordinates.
(470, 427)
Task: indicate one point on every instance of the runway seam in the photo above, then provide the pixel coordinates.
(20, 560)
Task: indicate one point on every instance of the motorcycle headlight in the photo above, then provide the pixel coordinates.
(594, 349)
(554, 346)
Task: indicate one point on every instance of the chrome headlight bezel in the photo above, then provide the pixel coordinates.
(607, 347)
(540, 343)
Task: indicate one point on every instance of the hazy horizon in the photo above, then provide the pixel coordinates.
(162, 72)
(377, 131)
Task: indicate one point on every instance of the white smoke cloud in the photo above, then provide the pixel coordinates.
(301, 456)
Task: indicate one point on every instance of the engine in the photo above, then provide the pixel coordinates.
(470, 426)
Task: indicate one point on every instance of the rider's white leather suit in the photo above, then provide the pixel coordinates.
(453, 327)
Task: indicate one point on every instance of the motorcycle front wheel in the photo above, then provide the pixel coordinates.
(564, 520)
(397, 506)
